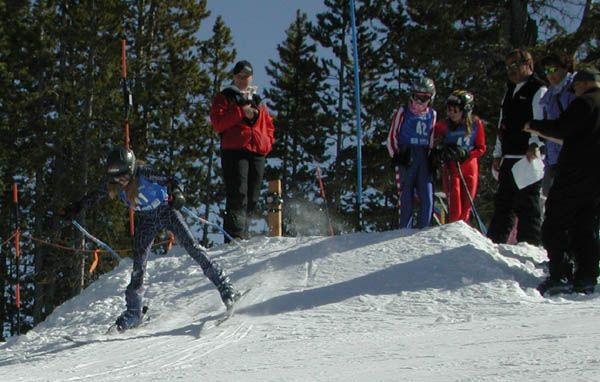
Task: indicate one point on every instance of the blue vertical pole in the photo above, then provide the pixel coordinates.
(358, 124)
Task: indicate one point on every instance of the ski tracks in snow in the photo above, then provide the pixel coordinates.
(141, 356)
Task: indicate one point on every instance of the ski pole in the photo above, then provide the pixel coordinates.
(17, 236)
(127, 105)
(482, 226)
(204, 221)
(96, 240)
(322, 191)
(399, 189)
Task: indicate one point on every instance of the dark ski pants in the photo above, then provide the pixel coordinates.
(149, 223)
(243, 173)
(416, 177)
(509, 202)
(570, 232)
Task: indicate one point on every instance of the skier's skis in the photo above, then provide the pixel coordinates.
(212, 322)
(231, 310)
(111, 332)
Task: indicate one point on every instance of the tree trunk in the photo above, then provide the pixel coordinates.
(522, 30)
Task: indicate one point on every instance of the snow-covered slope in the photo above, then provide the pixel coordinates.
(441, 304)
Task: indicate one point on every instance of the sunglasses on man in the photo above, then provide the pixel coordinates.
(550, 70)
(515, 64)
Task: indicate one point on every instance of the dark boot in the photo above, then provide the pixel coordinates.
(221, 280)
(553, 286)
(585, 286)
(228, 294)
(129, 319)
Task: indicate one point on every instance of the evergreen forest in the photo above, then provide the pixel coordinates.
(62, 108)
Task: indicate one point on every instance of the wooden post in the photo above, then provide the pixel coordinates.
(274, 207)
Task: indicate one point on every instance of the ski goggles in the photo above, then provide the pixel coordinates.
(420, 97)
(120, 177)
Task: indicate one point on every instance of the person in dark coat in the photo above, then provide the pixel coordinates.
(570, 229)
(521, 104)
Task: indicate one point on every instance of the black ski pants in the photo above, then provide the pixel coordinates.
(148, 225)
(510, 202)
(243, 173)
(570, 229)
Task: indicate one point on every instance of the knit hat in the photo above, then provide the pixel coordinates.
(243, 67)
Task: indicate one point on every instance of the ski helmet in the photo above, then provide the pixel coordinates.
(461, 98)
(120, 161)
(423, 85)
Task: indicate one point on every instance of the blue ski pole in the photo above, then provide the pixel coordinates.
(204, 221)
(96, 240)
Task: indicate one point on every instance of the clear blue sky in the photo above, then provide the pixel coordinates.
(257, 27)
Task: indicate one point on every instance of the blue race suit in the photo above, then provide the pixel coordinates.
(413, 134)
(153, 215)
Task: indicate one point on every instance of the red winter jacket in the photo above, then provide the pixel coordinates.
(228, 121)
(459, 205)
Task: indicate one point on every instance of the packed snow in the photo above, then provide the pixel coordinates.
(440, 304)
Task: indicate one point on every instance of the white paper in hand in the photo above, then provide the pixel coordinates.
(526, 173)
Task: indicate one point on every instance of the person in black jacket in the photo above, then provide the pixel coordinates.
(570, 229)
(521, 104)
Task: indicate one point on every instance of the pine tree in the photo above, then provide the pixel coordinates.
(332, 31)
(217, 54)
(175, 137)
(297, 83)
(77, 51)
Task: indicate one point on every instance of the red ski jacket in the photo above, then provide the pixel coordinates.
(236, 132)
(459, 206)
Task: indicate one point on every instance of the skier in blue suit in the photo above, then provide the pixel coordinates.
(157, 199)
(409, 141)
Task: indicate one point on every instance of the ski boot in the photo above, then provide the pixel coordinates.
(553, 286)
(584, 286)
(221, 280)
(228, 293)
(129, 319)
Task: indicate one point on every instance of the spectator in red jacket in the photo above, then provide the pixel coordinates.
(247, 133)
(460, 142)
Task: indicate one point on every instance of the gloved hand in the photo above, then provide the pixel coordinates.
(176, 199)
(464, 154)
(69, 212)
(401, 159)
(455, 153)
(436, 157)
